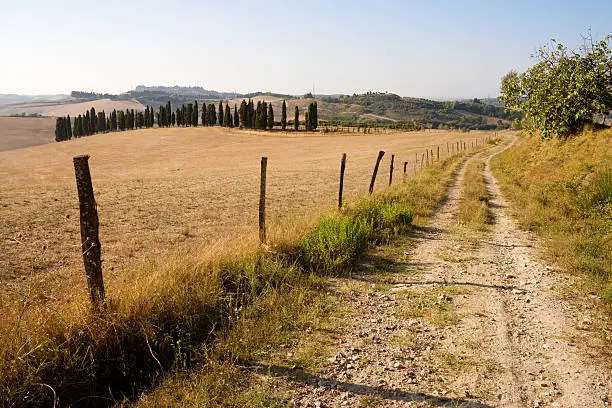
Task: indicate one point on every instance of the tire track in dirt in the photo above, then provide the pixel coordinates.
(456, 321)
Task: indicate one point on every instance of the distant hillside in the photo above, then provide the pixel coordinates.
(6, 99)
(389, 108)
(368, 108)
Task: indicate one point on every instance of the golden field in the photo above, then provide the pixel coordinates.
(16, 133)
(164, 191)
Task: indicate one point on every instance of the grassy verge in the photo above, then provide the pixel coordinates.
(474, 205)
(201, 317)
(562, 190)
(300, 340)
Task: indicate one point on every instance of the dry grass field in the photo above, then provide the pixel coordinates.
(68, 106)
(163, 191)
(16, 133)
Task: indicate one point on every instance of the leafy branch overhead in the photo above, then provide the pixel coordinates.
(564, 90)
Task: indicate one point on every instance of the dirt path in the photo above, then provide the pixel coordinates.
(457, 321)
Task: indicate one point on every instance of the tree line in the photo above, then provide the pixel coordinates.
(248, 116)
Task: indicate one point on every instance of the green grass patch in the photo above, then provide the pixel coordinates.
(562, 190)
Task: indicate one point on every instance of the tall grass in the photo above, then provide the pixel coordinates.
(168, 315)
(562, 190)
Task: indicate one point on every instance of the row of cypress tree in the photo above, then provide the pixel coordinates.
(248, 116)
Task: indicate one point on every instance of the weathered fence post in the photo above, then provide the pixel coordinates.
(427, 156)
(380, 156)
(90, 239)
(447, 148)
(438, 153)
(405, 164)
(262, 201)
(422, 159)
(391, 169)
(432, 159)
(342, 167)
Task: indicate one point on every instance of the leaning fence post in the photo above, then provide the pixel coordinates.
(262, 201)
(391, 169)
(422, 159)
(380, 156)
(405, 164)
(90, 239)
(342, 167)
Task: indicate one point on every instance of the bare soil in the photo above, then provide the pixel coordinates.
(447, 319)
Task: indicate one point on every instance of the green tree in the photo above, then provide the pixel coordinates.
(220, 113)
(270, 116)
(236, 118)
(204, 122)
(227, 118)
(564, 90)
(284, 116)
(68, 128)
(212, 115)
(296, 119)
(242, 114)
(59, 129)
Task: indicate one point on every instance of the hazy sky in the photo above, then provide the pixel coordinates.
(437, 49)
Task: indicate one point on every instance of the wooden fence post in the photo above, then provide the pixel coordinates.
(432, 159)
(447, 148)
(380, 156)
(405, 164)
(90, 239)
(391, 169)
(438, 153)
(422, 159)
(427, 156)
(262, 201)
(342, 167)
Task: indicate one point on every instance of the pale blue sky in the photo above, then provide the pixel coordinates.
(436, 49)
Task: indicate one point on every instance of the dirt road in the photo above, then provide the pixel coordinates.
(458, 320)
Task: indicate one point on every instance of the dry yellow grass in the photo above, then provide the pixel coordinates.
(69, 106)
(16, 133)
(164, 190)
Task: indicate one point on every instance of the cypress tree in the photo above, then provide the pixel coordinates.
(81, 131)
(146, 117)
(204, 123)
(86, 124)
(236, 118)
(258, 116)
(212, 115)
(227, 118)
(264, 115)
(173, 119)
(93, 128)
(108, 123)
(59, 131)
(314, 121)
(168, 114)
(307, 119)
(296, 119)
(270, 116)
(195, 114)
(284, 116)
(242, 112)
(220, 113)
(114, 120)
(68, 128)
